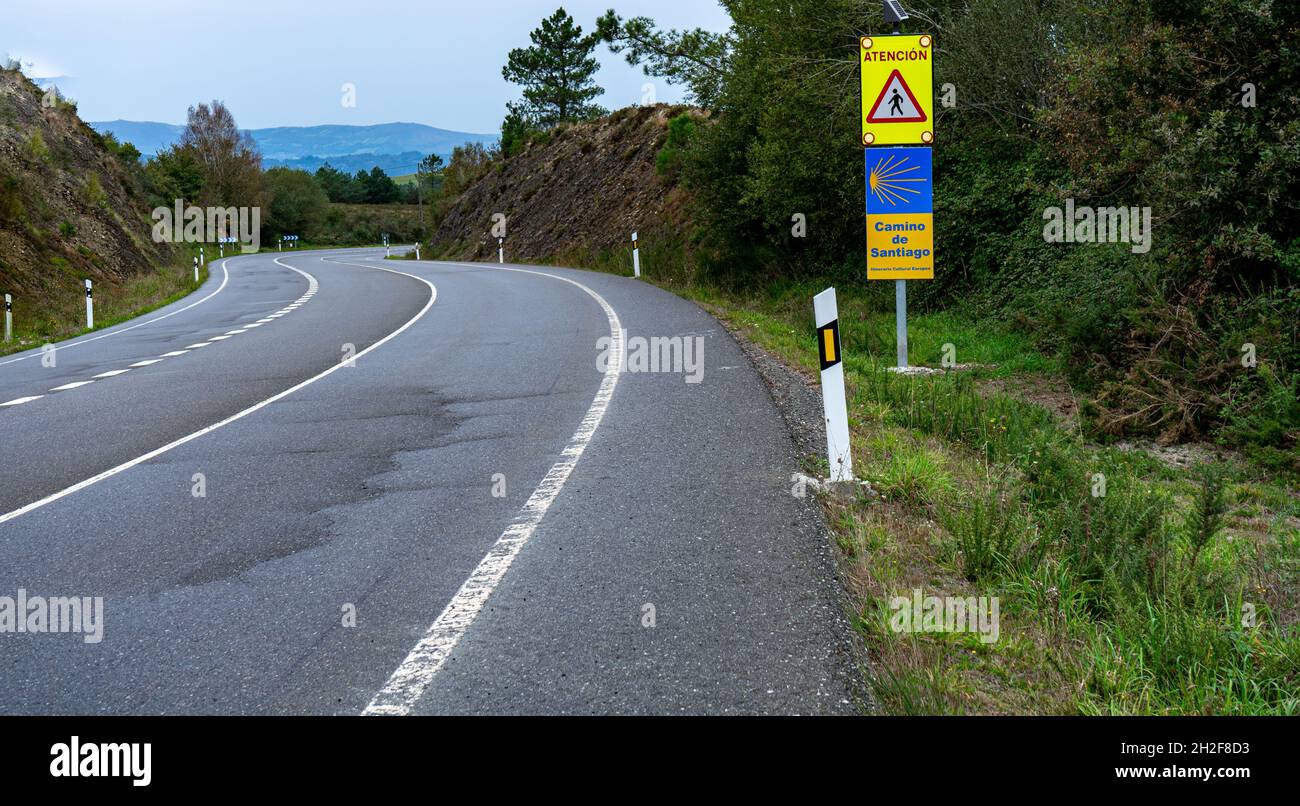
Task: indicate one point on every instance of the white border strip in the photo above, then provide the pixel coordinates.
(407, 684)
(225, 278)
(81, 485)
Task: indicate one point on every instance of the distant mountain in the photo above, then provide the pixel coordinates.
(150, 138)
(392, 164)
(305, 146)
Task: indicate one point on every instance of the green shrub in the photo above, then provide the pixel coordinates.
(668, 162)
(36, 148)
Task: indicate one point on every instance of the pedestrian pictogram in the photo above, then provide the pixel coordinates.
(896, 103)
(897, 90)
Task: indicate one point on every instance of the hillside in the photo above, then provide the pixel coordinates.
(582, 190)
(69, 210)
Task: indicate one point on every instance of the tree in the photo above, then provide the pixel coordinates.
(377, 187)
(232, 166)
(556, 74)
(174, 174)
(428, 174)
(340, 187)
(698, 58)
(297, 202)
(468, 163)
(516, 130)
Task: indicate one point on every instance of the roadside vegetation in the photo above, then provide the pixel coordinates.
(1130, 581)
(1127, 585)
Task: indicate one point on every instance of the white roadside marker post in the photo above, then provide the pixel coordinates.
(501, 250)
(202, 260)
(196, 270)
(417, 251)
(636, 257)
(90, 306)
(835, 409)
(279, 245)
(9, 318)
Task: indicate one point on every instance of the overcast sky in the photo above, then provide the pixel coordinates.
(280, 63)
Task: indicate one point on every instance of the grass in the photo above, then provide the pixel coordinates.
(1127, 586)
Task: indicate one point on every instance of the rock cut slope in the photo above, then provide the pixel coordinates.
(583, 190)
(69, 207)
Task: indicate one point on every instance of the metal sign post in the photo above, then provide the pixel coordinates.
(898, 110)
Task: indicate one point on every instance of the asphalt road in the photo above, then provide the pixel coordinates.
(512, 526)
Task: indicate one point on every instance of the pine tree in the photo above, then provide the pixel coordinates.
(556, 74)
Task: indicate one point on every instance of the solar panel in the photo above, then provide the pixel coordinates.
(894, 11)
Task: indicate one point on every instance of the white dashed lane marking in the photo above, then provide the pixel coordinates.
(312, 286)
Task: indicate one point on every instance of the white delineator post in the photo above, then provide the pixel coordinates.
(501, 250)
(196, 270)
(636, 257)
(90, 306)
(203, 261)
(417, 251)
(835, 410)
(9, 318)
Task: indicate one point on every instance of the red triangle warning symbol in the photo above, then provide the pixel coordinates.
(898, 102)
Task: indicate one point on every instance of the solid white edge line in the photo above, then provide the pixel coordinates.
(224, 280)
(412, 677)
(81, 485)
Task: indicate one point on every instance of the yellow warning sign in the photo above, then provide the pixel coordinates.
(897, 90)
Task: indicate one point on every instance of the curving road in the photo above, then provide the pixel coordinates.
(329, 483)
